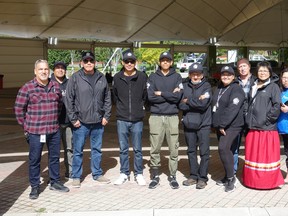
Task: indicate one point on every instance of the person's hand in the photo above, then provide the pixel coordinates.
(158, 93)
(176, 90)
(222, 131)
(77, 124)
(184, 100)
(284, 108)
(104, 121)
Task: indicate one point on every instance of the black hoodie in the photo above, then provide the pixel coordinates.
(167, 103)
(63, 118)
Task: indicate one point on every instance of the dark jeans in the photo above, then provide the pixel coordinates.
(125, 129)
(225, 152)
(95, 132)
(195, 138)
(285, 141)
(35, 152)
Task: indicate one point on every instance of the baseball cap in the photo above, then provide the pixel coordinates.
(165, 55)
(88, 55)
(195, 67)
(227, 69)
(59, 63)
(128, 54)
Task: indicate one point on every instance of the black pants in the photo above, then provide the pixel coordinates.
(285, 141)
(225, 152)
(195, 138)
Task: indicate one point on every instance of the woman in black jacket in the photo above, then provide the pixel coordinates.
(262, 144)
(228, 120)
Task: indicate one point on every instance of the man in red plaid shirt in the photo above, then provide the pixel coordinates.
(37, 108)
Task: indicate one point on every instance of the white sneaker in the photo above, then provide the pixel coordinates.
(121, 180)
(140, 180)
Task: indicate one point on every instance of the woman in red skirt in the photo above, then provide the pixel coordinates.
(262, 145)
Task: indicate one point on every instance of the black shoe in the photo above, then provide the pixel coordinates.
(154, 183)
(58, 186)
(222, 182)
(201, 184)
(173, 183)
(230, 186)
(189, 182)
(35, 191)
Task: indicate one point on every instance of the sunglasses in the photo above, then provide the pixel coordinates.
(88, 60)
(129, 61)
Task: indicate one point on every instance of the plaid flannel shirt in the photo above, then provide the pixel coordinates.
(36, 109)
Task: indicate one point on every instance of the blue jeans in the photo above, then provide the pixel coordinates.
(35, 152)
(95, 131)
(125, 129)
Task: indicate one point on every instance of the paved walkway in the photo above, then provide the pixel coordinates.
(128, 199)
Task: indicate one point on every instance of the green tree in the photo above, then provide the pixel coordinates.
(65, 56)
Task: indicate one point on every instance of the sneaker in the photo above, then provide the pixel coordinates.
(101, 179)
(173, 182)
(140, 180)
(121, 180)
(155, 182)
(230, 186)
(58, 186)
(76, 183)
(201, 184)
(189, 182)
(35, 191)
(222, 182)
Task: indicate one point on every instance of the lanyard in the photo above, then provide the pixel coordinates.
(220, 95)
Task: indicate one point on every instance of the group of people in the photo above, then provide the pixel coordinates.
(57, 108)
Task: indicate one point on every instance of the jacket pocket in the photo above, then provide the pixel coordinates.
(192, 121)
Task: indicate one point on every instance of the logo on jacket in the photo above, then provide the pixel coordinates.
(236, 101)
(148, 85)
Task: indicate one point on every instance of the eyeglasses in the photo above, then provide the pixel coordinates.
(263, 71)
(88, 60)
(129, 61)
(284, 78)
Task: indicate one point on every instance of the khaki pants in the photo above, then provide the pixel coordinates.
(159, 127)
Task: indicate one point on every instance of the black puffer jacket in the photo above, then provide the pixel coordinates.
(196, 113)
(264, 108)
(228, 107)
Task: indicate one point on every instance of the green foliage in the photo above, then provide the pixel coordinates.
(63, 55)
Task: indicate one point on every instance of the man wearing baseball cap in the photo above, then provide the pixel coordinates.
(130, 93)
(59, 75)
(164, 89)
(88, 103)
(197, 117)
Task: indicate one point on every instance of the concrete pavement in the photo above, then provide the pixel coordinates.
(128, 199)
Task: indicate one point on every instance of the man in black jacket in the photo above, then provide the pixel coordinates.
(130, 92)
(59, 76)
(88, 104)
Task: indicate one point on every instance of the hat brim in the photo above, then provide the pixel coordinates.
(60, 63)
(88, 57)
